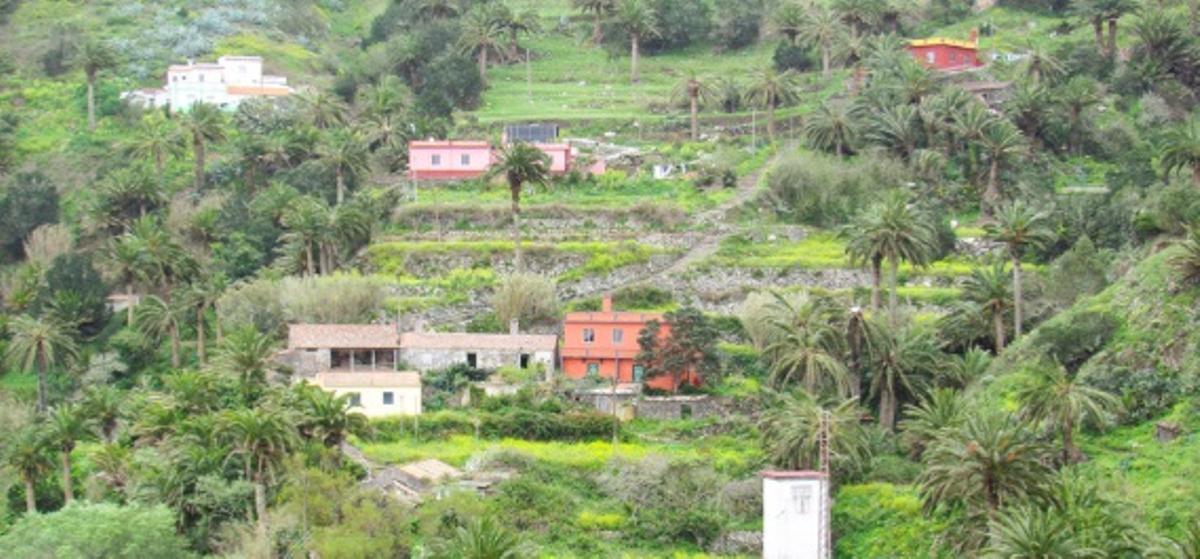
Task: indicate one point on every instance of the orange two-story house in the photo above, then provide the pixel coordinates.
(605, 344)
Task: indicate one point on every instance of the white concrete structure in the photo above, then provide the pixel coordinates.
(795, 518)
(377, 394)
(225, 84)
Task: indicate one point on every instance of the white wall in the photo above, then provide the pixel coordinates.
(406, 401)
(792, 513)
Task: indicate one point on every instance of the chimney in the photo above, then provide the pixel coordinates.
(973, 38)
(606, 306)
(514, 327)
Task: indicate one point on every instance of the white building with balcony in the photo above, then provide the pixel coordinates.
(226, 83)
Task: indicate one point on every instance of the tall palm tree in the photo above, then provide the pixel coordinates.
(157, 318)
(157, 139)
(640, 22)
(201, 296)
(306, 220)
(864, 248)
(330, 418)
(769, 89)
(1029, 531)
(437, 9)
(897, 232)
(822, 28)
(805, 346)
(791, 432)
(481, 34)
(203, 125)
(1049, 395)
(125, 261)
(897, 128)
(324, 109)
(166, 261)
(860, 15)
(521, 164)
(1075, 97)
(832, 127)
(901, 356)
(987, 462)
(1186, 262)
(247, 354)
(42, 343)
(1180, 149)
(1019, 227)
(1090, 11)
(599, 10)
(1001, 142)
(344, 151)
(262, 437)
(697, 90)
(103, 405)
(68, 424)
(26, 452)
(935, 414)
(789, 19)
(987, 288)
(93, 55)
(388, 96)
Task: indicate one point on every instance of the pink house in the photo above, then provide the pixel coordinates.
(560, 157)
(448, 160)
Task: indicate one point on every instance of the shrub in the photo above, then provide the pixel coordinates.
(882, 520)
(527, 298)
(819, 190)
(528, 424)
(269, 304)
(788, 57)
(1075, 338)
(96, 530)
(1145, 392)
(597, 521)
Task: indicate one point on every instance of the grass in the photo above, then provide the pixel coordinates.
(391, 258)
(614, 189)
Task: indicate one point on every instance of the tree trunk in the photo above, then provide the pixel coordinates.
(695, 102)
(483, 61)
(41, 388)
(1196, 174)
(175, 347)
(260, 506)
(1112, 36)
(1068, 439)
(340, 179)
(893, 272)
(217, 321)
(887, 410)
(200, 349)
(771, 118)
(991, 195)
(198, 147)
(160, 168)
(876, 281)
(91, 102)
(597, 30)
(1098, 32)
(998, 327)
(825, 57)
(68, 488)
(129, 302)
(30, 500)
(516, 229)
(308, 257)
(633, 58)
(1018, 314)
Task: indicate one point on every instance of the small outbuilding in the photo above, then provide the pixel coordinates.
(376, 394)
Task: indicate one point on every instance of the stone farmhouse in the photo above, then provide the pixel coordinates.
(226, 83)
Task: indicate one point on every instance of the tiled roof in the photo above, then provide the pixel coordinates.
(369, 380)
(611, 317)
(342, 336)
(532, 342)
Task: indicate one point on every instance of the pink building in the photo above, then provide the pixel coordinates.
(561, 157)
(448, 160)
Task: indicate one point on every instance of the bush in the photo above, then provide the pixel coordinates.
(597, 521)
(1073, 339)
(527, 298)
(525, 424)
(882, 520)
(820, 190)
(270, 304)
(787, 57)
(95, 530)
(1145, 392)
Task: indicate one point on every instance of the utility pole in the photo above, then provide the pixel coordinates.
(826, 532)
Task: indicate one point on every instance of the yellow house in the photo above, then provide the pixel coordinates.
(376, 394)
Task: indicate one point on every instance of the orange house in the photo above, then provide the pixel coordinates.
(948, 55)
(605, 344)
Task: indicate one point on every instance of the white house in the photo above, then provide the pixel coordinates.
(795, 515)
(225, 84)
(376, 394)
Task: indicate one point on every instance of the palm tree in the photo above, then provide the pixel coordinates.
(823, 29)
(1050, 395)
(43, 343)
(247, 354)
(1186, 262)
(1041, 64)
(987, 288)
(791, 431)
(599, 9)
(639, 20)
(482, 539)
(103, 405)
(1180, 149)
(1029, 531)
(346, 153)
(770, 88)
(388, 96)
(164, 259)
(1185, 547)
(696, 90)
(1075, 97)
(262, 437)
(68, 425)
(966, 368)
(728, 94)
(111, 463)
(157, 318)
(329, 418)
(935, 414)
(204, 125)
(900, 357)
(157, 139)
(1019, 227)
(481, 33)
(125, 260)
(896, 232)
(26, 453)
(201, 296)
(860, 15)
(324, 109)
(1089, 10)
(93, 55)
(789, 19)
(805, 346)
(521, 164)
(897, 128)
(989, 461)
(832, 127)
(437, 9)
(1001, 141)
(306, 220)
(865, 249)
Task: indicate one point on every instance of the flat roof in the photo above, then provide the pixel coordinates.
(448, 143)
(797, 474)
(369, 380)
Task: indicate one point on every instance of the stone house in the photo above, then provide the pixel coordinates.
(320, 348)
(432, 351)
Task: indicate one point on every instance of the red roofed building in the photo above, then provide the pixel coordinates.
(605, 344)
(947, 54)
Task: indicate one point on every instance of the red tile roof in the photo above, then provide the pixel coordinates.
(343, 336)
(531, 342)
(613, 317)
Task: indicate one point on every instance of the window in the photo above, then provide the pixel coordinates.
(524, 361)
(435, 160)
(472, 360)
(589, 335)
(389, 398)
(593, 369)
(466, 159)
(355, 399)
(639, 373)
(618, 335)
(929, 57)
